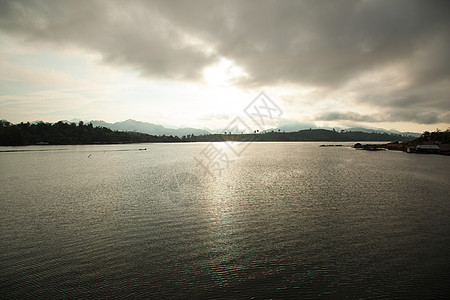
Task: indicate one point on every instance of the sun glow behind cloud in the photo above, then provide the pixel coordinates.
(41, 84)
(224, 73)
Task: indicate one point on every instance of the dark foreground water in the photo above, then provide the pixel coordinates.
(283, 220)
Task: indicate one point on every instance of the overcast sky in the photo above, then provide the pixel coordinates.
(377, 64)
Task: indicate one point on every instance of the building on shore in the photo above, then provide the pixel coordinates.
(427, 149)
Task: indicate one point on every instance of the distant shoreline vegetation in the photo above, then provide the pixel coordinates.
(62, 133)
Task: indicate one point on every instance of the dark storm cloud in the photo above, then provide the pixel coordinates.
(322, 42)
(310, 43)
(129, 34)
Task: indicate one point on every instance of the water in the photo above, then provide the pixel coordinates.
(283, 220)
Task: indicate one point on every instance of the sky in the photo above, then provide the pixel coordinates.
(373, 64)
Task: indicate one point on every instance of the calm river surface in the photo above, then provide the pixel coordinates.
(282, 220)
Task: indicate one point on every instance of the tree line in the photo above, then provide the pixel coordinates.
(62, 133)
(442, 137)
(311, 135)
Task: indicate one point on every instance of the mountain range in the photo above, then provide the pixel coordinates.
(149, 128)
(154, 129)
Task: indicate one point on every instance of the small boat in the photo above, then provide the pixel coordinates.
(142, 148)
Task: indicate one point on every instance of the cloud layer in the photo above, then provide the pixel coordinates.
(397, 52)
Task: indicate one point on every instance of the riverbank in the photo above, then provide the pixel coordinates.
(409, 147)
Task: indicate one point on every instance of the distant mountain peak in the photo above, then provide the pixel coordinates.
(149, 128)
